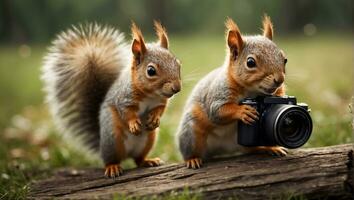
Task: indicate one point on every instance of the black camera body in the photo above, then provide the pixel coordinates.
(282, 122)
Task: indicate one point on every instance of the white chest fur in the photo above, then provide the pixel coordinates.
(147, 104)
(134, 144)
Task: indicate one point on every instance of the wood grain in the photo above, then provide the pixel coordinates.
(311, 173)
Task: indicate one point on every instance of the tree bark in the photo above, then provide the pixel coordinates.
(310, 173)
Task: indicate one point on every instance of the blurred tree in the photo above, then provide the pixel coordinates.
(38, 21)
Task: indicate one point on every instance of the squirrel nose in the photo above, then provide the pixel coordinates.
(176, 88)
(278, 82)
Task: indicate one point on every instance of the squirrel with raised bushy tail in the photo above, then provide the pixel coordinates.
(109, 93)
(254, 66)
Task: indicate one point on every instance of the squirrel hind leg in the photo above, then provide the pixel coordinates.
(194, 163)
(149, 162)
(113, 170)
(192, 144)
(141, 160)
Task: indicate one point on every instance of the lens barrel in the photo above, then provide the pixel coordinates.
(287, 125)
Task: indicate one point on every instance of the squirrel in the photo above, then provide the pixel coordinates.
(110, 94)
(254, 66)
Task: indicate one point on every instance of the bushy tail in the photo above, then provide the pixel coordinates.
(80, 67)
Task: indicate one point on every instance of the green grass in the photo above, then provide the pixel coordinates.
(319, 72)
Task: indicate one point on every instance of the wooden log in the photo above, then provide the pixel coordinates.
(310, 173)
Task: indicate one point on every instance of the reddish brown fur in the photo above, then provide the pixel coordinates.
(118, 127)
(154, 116)
(139, 49)
(131, 113)
(161, 34)
(280, 91)
(132, 119)
(113, 170)
(157, 111)
(274, 150)
(267, 27)
(232, 26)
(139, 91)
(148, 145)
(254, 79)
(235, 88)
(138, 36)
(234, 38)
(229, 112)
(201, 128)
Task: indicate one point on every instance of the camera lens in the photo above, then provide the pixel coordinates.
(289, 125)
(293, 127)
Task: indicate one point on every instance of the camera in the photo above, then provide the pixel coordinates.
(282, 122)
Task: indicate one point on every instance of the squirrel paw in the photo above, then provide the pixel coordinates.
(151, 162)
(113, 171)
(134, 126)
(277, 151)
(248, 114)
(194, 163)
(274, 150)
(152, 122)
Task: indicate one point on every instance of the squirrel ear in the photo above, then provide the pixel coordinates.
(267, 27)
(138, 45)
(234, 38)
(161, 34)
(138, 50)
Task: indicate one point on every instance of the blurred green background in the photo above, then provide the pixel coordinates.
(317, 37)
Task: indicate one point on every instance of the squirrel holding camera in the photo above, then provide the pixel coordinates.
(254, 66)
(110, 94)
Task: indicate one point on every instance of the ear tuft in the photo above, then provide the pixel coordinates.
(233, 37)
(231, 25)
(138, 45)
(161, 34)
(267, 27)
(136, 32)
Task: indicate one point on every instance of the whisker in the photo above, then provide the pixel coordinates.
(192, 76)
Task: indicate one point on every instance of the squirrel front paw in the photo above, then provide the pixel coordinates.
(276, 151)
(272, 150)
(247, 114)
(152, 122)
(134, 126)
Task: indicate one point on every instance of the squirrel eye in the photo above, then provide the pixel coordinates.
(151, 71)
(285, 61)
(251, 62)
